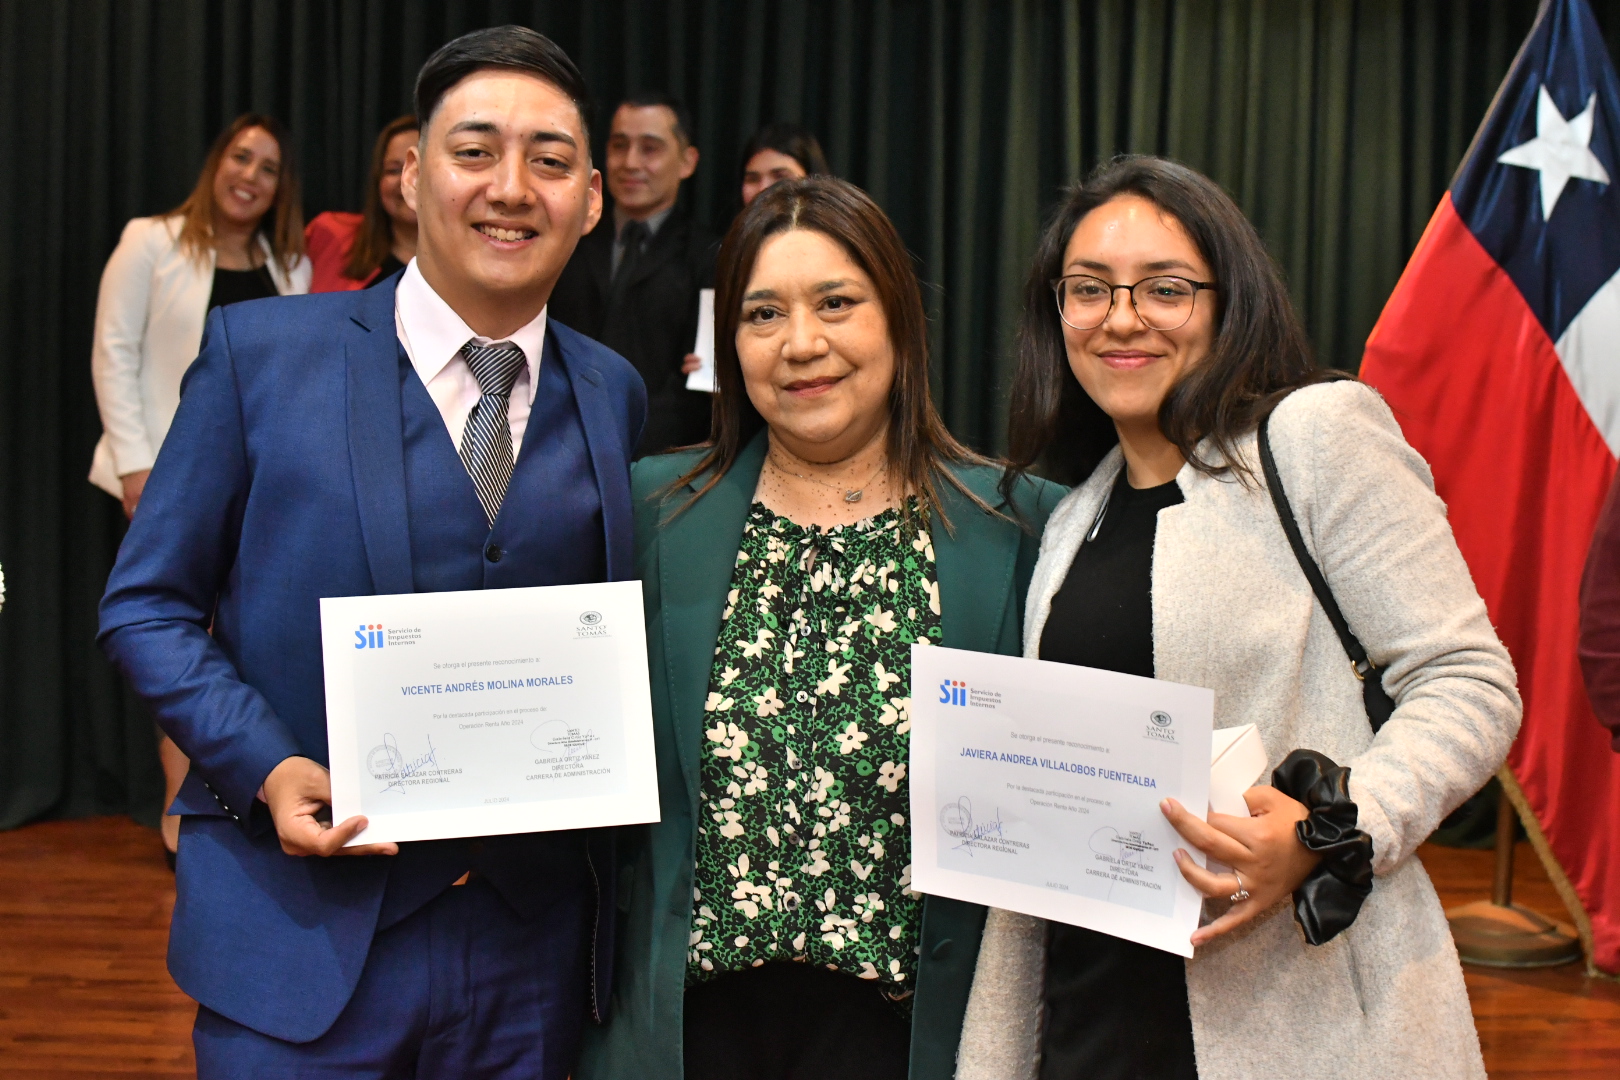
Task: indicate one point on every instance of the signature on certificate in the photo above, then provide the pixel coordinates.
(386, 762)
(956, 818)
(556, 735)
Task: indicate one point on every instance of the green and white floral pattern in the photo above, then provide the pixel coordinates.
(802, 849)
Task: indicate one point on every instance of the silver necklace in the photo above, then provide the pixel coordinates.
(851, 495)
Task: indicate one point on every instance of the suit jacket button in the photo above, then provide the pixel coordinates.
(942, 951)
(493, 553)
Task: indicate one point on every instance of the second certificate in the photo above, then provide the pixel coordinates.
(1036, 786)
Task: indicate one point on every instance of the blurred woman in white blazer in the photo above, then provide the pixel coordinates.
(238, 236)
(1247, 522)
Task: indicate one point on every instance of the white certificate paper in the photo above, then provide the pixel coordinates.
(490, 711)
(703, 378)
(1035, 787)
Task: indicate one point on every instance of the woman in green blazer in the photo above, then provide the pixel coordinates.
(789, 566)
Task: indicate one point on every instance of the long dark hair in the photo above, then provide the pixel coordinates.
(375, 239)
(1260, 352)
(919, 446)
(790, 139)
(285, 217)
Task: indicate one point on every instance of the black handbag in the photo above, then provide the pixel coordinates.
(1378, 703)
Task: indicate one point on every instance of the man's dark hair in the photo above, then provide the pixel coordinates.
(651, 99)
(516, 48)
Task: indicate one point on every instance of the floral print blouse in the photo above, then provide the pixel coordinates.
(802, 848)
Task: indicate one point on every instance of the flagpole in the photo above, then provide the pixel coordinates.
(1499, 933)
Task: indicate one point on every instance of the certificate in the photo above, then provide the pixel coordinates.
(703, 378)
(489, 711)
(1035, 787)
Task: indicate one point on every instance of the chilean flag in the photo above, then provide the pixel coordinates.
(1499, 352)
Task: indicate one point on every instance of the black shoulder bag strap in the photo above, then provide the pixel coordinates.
(1378, 702)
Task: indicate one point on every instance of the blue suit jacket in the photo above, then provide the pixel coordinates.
(282, 480)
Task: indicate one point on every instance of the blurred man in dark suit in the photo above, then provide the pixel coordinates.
(633, 282)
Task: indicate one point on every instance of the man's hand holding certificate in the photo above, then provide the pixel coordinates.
(1036, 787)
(488, 712)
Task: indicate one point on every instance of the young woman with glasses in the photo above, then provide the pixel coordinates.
(1158, 348)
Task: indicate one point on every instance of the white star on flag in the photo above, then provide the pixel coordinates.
(1561, 150)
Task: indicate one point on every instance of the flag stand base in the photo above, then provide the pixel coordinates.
(1492, 935)
(1499, 933)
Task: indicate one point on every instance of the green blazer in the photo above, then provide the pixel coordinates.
(685, 565)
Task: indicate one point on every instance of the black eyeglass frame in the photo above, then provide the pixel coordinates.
(1197, 286)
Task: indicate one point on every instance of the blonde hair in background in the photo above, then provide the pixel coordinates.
(286, 227)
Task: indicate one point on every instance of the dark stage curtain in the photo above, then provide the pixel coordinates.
(1336, 124)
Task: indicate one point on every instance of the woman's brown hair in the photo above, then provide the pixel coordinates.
(919, 446)
(196, 214)
(375, 239)
(1260, 353)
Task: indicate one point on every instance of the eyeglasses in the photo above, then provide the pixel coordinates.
(1162, 303)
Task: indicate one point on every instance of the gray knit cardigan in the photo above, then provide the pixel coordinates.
(1232, 611)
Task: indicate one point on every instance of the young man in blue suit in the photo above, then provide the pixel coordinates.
(435, 432)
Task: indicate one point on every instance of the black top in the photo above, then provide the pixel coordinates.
(235, 286)
(1115, 1010)
(390, 266)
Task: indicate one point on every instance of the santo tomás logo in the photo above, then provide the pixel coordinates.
(952, 692)
(369, 636)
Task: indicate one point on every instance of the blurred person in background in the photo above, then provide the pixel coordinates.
(777, 152)
(355, 251)
(780, 152)
(633, 283)
(238, 236)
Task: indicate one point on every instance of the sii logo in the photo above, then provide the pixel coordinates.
(952, 693)
(369, 636)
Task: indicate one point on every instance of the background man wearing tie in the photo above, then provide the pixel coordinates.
(442, 435)
(634, 286)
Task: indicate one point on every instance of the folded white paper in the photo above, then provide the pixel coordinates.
(1238, 757)
(703, 378)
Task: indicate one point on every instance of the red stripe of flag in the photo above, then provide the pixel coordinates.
(1479, 391)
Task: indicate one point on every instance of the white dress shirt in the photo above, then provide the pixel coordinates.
(433, 335)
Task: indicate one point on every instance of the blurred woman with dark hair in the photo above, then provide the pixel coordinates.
(238, 236)
(355, 251)
(1250, 523)
(780, 152)
(777, 152)
(830, 523)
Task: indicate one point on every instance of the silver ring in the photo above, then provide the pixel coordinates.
(1242, 894)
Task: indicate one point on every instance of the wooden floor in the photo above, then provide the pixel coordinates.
(84, 909)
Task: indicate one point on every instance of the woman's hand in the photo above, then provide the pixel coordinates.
(1264, 850)
(134, 485)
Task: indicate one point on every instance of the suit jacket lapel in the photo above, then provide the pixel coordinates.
(976, 565)
(377, 441)
(608, 456)
(597, 248)
(698, 551)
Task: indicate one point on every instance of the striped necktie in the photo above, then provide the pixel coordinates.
(486, 442)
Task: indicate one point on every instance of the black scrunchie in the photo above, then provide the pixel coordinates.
(1328, 901)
